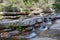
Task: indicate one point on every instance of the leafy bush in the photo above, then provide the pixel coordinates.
(26, 11)
(9, 8)
(56, 6)
(36, 0)
(1, 7)
(24, 4)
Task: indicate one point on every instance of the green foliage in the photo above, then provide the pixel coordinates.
(1, 17)
(12, 26)
(27, 2)
(16, 26)
(46, 1)
(13, 1)
(1, 7)
(57, 1)
(36, 1)
(56, 6)
(19, 28)
(24, 4)
(30, 1)
(9, 8)
(26, 10)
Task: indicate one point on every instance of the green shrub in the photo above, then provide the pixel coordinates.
(1, 7)
(56, 6)
(26, 10)
(36, 1)
(23, 4)
(9, 8)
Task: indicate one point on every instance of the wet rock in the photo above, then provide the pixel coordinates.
(5, 35)
(55, 16)
(8, 34)
(31, 35)
(5, 30)
(6, 24)
(1, 26)
(9, 12)
(39, 19)
(56, 25)
(11, 17)
(42, 27)
(50, 33)
(43, 38)
(48, 20)
(14, 38)
(58, 16)
(13, 33)
(29, 29)
(32, 20)
(29, 21)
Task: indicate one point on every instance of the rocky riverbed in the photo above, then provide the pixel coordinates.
(44, 28)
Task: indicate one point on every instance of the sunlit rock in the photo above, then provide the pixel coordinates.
(29, 21)
(32, 20)
(8, 34)
(5, 35)
(13, 33)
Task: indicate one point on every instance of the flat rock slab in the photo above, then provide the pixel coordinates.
(8, 34)
(43, 38)
(25, 22)
(32, 20)
(53, 33)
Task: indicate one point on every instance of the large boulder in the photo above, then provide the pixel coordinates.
(25, 22)
(32, 20)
